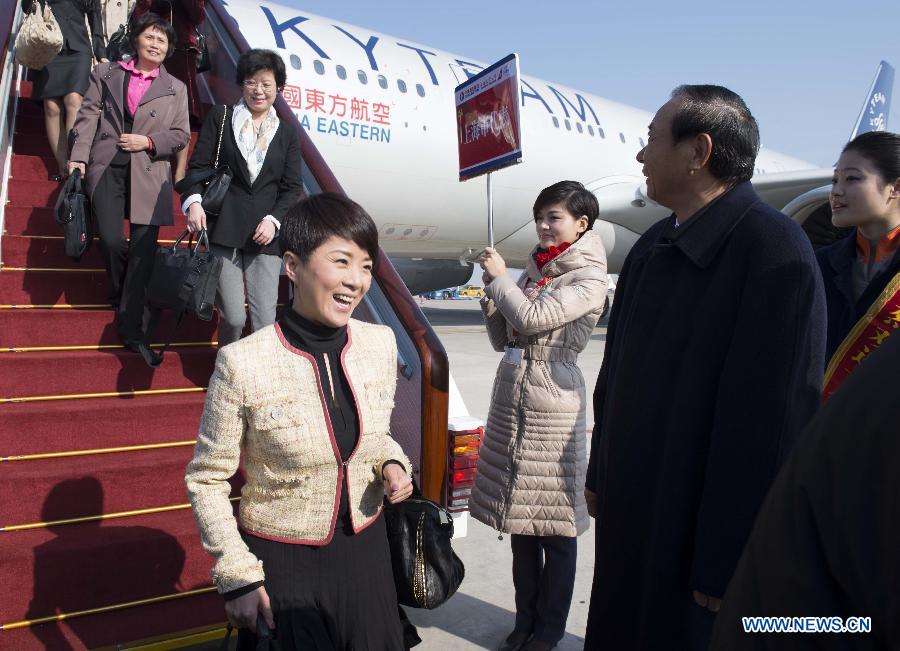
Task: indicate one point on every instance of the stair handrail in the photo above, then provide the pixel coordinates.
(10, 74)
(432, 355)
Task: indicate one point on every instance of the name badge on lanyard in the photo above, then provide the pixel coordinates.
(512, 356)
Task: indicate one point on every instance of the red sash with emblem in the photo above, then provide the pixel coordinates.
(881, 319)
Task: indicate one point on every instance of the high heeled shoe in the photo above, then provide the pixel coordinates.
(153, 359)
(514, 641)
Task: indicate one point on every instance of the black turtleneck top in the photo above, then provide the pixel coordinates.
(325, 343)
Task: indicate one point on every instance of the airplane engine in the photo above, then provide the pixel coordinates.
(425, 275)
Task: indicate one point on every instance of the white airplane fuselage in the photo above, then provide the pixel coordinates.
(381, 111)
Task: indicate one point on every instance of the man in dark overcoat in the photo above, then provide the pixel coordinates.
(825, 544)
(713, 364)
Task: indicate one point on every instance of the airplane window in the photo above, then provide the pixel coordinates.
(382, 81)
(420, 90)
(621, 136)
(555, 122)
(590, 130)
(295, 62)
(362, 76)
(341, 72)
(600, 131)
(579, 127)
(401, 85)
(568, 125)
(319, 66)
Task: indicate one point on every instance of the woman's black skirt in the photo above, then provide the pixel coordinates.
(69, 72)
(346, 585)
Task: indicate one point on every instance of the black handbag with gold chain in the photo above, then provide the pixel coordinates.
(426, 570)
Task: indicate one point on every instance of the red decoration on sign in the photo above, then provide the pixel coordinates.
(487, 119)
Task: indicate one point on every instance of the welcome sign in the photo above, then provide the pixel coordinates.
(487, 119)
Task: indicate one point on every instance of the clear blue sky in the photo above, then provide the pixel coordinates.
(803, 66)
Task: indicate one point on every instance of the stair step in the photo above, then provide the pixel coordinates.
(129, 481)
(67, 287)
(90, 565)
(49, 252)
(32, 144)
(53, 287)
(122, 628)
(88, 372)
(43, 194)
(116, 422)
(40, 194)
(30, 122)
(47, 328)
(32, 168)
(36, 220)
(44, 252)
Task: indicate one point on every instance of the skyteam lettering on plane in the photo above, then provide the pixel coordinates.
(287, 32)
(378, 107)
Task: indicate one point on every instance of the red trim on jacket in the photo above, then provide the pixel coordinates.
(343, 468)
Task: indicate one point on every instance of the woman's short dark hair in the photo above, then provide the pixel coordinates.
(315, 219)
(882, 149)
(723, 115)
(578, 200)
(252, 61)
(142, 23)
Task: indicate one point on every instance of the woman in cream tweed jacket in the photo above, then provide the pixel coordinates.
(307, 404)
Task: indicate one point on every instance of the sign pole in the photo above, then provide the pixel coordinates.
(490, 199)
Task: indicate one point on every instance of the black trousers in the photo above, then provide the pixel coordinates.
(544, 577)
(129, 263)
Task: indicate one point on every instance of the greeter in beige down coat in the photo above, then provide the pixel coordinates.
(533, 459)
(306, 405)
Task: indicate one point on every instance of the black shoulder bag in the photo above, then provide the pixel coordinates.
(184, 280)
(73, 212)
(426, 570)
(204, 61)
(215, 179)
(119, 45)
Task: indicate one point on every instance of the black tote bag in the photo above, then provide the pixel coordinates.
(427, 572)
(185, 279)
(73, 212)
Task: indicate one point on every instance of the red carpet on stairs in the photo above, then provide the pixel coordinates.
(73, 462)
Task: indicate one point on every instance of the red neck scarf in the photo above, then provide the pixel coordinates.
(543, 256)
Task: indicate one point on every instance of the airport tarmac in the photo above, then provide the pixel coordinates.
(482, 612)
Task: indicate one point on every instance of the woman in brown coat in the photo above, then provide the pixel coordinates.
(133, 121)
(185, 16)
(533, 461)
